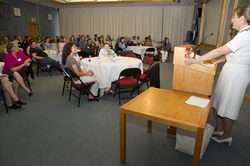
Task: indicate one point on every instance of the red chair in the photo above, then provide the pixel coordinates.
(149, 61)
(126, 79)
(130, 55)
(150, 52)
(4, 99)
(83, 88)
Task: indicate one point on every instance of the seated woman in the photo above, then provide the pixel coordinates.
(4, 43)
(165, 48)
(96, 41)
(72, 39)
(122, 46)
(108, 40)
(15, 61)
(41, 56)
(147, 42)
(9, 93)
(100, 43)
(104, 51)
(86, 76)
(88, 48)
(47, 44)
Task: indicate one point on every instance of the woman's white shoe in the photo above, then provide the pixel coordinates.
(218, 133)
(229, 140)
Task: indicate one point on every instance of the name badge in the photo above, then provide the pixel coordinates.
(88, 46)
(19, 59)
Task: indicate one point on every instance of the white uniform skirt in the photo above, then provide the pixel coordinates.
(230, 90)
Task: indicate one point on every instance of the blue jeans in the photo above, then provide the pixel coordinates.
(48, 61)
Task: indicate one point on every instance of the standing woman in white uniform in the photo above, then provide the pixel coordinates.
(235, 75)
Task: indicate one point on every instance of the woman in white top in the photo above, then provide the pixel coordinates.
(104, 51)
(235, 75)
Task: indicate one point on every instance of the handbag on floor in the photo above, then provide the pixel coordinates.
(185, 140)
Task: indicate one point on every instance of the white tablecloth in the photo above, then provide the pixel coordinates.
(51, 53)
(140, 50)
(111, 70)
(1, 66)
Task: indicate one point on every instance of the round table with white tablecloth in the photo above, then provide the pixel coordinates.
(140, 50)
(111, 70)
(51, 53)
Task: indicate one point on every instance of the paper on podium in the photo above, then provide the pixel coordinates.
(197, 101)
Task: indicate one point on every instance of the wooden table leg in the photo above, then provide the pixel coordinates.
(149, 126)
(197, 148)
(122, 137)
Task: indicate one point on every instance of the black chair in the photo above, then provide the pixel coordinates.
(66, 77)
(4, 98)
(126, 79)
(26, 77)
(150, 52)
(83, 88)
(152, 78)
(41, 67)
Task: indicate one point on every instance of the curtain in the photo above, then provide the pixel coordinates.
(176, 22)
(129, 21)
(114, 21)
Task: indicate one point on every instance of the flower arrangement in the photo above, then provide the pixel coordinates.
(110, 54)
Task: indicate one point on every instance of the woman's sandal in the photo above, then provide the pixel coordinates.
(109, 92)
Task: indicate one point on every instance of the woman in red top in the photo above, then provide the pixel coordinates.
(15, 61)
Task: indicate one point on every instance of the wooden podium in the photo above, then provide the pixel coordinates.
(197, 79)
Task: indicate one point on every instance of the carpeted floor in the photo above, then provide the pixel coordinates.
(52, 131)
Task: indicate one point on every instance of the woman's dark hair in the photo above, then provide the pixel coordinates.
(88, 40)
(47, 38)
(66, 51)
(243, 10)
(165, 44)
(100, 40)
(121, 39)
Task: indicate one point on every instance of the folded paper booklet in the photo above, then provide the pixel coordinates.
(197, 101)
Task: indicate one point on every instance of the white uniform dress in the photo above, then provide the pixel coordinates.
(234, 78)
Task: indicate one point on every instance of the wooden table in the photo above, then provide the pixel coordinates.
(167, 107)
